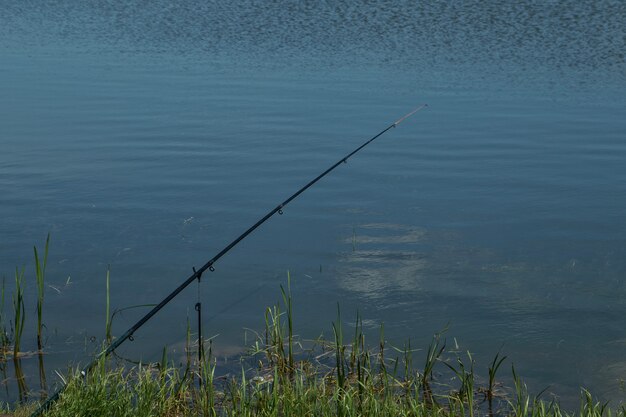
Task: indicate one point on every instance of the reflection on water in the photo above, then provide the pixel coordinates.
(21, 379)
(406, 234)
(372, 272)
(521, 303)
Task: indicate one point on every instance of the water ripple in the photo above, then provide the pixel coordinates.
(558, 36)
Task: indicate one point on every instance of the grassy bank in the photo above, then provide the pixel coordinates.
(278, 378)
(282, 375)
(151, 392)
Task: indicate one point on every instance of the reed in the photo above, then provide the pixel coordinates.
(188, 351)
(108, 318)
(360, 362)
(340, 350)
(521, 406)
(18, 330)
(465, 375)
(288, 305)
(5, 340)
(274, 338)
(277, 344)
(493, 369)
(40, 272)
(435, 350)
(19, 314)
(204, 398)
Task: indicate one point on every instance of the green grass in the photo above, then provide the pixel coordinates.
(5, 339)
(108, 319)
(354, 386)
(19, 316)
(19, 313)
(40, 272)
(282, 375)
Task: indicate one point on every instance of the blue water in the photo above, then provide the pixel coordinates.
(147, 136)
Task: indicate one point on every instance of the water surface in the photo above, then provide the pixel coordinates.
(146, 136)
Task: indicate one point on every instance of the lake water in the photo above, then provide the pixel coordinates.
(148, 135)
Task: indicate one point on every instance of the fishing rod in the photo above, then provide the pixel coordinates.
(197, 273)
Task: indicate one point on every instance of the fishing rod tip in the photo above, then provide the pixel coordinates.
(406, 116)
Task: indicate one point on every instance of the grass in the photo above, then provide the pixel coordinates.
(333, 379)
(40, 272)
(490, 393)
(19, 313)
(282, 375)
(18, 330)
(108, 319)
(12, 340)
(5, 339)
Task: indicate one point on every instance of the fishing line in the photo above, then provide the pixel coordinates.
(197, 274)
(234, 303)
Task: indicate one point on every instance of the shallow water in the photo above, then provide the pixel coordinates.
(146, 136)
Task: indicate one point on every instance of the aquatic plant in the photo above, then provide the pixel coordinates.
(108, 318)
(40, 272)
(5, 340)
(19, 314)
(435, 350)
(288, 305)
(465, 393)
(493, 369)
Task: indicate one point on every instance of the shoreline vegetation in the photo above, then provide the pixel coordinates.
(279, 375)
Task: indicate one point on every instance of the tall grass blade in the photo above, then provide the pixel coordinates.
(18, 311)
(493, 369)
(40, 272)
(339, 350)
(288, 305)
(108, 317)
(435, 350)
(18, 329)
(5, 340)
